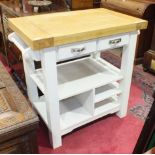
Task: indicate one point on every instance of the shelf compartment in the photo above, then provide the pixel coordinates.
(79, 76)
(75, 113)
(107, 106)
(75, 110)
(106, 91)
(72, 114)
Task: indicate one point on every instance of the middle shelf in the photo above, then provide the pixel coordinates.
(79, 76)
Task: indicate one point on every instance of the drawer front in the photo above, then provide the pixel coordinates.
(112, 42)
(76, 50)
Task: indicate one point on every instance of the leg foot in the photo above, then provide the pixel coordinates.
(55, 140)
(121, 114)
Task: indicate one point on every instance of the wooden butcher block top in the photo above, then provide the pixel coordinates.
(49, 30)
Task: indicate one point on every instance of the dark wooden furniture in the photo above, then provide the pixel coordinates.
(147, 133)
(149, 61)
(13, 8)
(18, 122)
(144, 9)
(83, 4)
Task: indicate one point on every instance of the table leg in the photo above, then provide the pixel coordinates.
(51, 95)
(128, 55)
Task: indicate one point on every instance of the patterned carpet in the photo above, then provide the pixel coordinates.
(141, 110)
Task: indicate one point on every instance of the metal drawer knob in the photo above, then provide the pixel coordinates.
(78, 50)
(115, 41)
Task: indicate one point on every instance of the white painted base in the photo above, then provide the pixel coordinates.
(79, 91)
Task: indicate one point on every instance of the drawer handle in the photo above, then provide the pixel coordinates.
(115, 41)
(78, 50)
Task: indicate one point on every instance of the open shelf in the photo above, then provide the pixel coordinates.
(73, 111)
(40, 107)
(106, 91)
(106, 106)
(79, 76)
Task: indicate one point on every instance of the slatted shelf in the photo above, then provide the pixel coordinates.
(106, 91)
(106, 106)
(78, 76)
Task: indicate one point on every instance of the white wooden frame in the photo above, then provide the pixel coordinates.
(88, 96)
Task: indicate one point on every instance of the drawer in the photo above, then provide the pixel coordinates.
(112, 42)
(75, 50)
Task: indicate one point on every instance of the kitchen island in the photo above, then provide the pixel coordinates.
(77, 85)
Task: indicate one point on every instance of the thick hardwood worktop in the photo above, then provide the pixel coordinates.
(50, 30)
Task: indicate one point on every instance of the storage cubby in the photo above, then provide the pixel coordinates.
(106, 91)
(75, 110)
(107, 106)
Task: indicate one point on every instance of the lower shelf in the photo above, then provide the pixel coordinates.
(106, 106)
(106, 91)
(40, 107)
(73, 114)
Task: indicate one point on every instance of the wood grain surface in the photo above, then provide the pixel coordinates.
(50, 30)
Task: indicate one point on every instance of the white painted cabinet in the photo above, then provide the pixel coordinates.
(81, 90)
